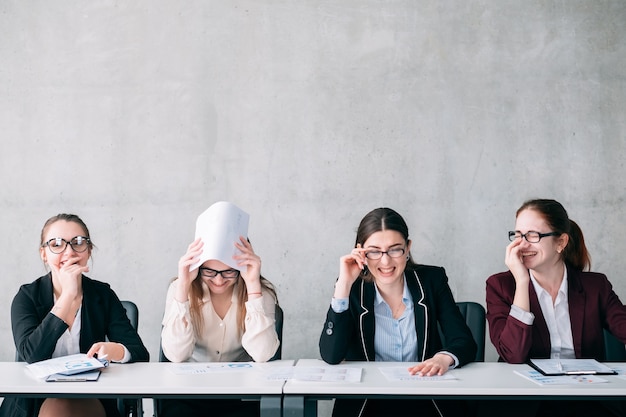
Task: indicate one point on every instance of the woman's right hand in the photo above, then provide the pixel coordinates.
(69, 276)
(185, 274)
(350, 267)
(513, 260)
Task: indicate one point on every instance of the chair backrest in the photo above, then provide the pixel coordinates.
(613, 349)
(132, 312)
(474, 315)
(279, 331)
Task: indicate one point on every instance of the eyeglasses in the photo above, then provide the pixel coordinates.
(377, 254)
(78, 244)
(212, 273)
(531, 237)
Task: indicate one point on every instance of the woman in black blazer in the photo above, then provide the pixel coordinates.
(64, 313)
(380, 289)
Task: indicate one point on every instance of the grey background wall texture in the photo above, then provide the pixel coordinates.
(137, 115)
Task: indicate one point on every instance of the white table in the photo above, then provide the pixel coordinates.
(153, 380)
(488, 381)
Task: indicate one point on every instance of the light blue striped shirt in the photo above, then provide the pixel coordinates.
(395, 340)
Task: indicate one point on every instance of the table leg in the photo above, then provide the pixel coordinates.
(271, 406)
(297, 406)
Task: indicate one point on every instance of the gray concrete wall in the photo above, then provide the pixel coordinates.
(138, 115)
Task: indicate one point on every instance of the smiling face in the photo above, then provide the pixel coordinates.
(387, 270)
(219, 285)
(544, 254)
(66, 230)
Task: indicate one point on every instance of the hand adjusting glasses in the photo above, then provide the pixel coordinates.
(78, 244)
(531, 237)
(212, 273)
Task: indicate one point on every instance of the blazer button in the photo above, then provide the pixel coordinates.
(329, 331)
(330, 324)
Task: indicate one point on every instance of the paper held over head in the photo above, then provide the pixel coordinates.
(219, 227)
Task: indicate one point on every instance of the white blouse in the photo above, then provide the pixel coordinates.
(220, 339)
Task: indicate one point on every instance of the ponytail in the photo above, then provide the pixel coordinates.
(575, 252)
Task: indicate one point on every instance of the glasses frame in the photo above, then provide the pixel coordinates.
(512, 236)
(221, 273)
(56, 239)
(386, 252)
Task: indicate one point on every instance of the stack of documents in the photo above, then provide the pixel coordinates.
(78, 367)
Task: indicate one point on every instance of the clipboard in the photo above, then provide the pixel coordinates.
(81, 377)
(556, 367)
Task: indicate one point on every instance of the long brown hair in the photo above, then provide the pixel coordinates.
(575, 253)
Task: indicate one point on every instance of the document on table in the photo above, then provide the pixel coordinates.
(82, 377)
(315, 373)
(193, 368)
(571, 367)
(541, 379)
(401, 373)
(66, 365)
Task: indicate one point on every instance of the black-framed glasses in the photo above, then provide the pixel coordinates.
(531, 237)
(212, 273)
(377, 254)
(78, 244)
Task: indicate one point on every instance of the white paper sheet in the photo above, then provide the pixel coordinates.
(401, 373)
(194, 368)
(315, 373)
(541, 379)
(219, 227)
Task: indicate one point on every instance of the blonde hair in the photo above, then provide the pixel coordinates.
(196, 297)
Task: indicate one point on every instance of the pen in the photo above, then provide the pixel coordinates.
(580, 373)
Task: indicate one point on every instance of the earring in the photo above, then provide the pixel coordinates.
(408, 257)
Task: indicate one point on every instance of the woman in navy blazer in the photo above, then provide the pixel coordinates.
(380, 288)
(63, 313)
(545, 306)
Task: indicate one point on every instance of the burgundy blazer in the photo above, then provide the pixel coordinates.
(593, 306)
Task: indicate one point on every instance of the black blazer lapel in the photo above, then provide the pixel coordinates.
(366, 320)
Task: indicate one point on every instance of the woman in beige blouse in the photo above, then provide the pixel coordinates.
(215, 313)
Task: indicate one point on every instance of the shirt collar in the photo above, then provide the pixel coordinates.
(378, 298)
(541, 292)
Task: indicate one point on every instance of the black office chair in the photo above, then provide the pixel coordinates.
(474, 315)
(129, 406)
(613, 349)
(279, 317)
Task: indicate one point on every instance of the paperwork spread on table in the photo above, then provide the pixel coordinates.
(315, 373)
(541, 379)
(401, 373)
(195, 368)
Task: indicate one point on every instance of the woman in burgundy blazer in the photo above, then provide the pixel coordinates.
(546, 288)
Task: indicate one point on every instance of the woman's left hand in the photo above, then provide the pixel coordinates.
(107, 350)
(250, 265)
(437, 365)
